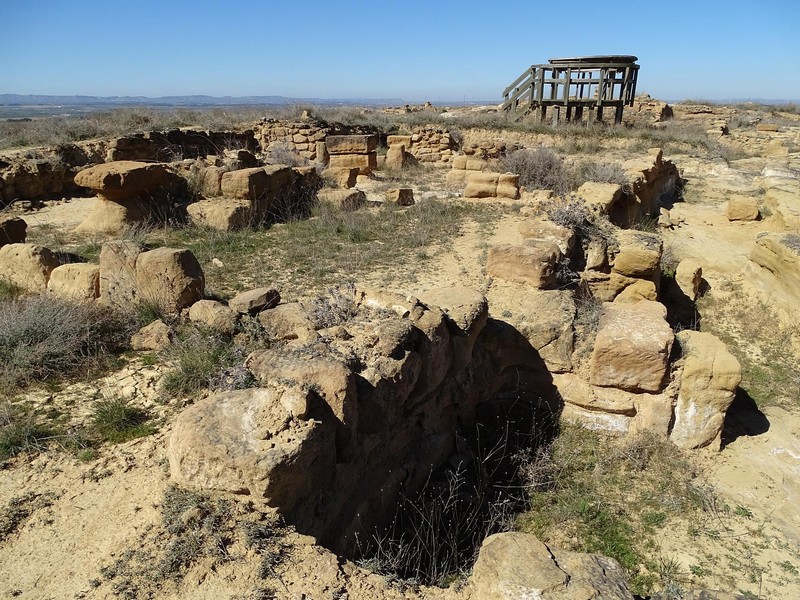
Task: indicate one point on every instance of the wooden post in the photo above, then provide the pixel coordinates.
(618, 115)
(556, 114)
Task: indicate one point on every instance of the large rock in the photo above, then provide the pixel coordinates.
(467, 311)
(341, 177)
(485, 184)
(517, 565)
(400, 196)
(245, 184)
(125, 179)
(331, 380)
(632, 347)
(75, 281)
(253, 301)
(545, 318)
(288, 322)
(639, 254)
(27, 266)
(541, 229)
(351, 144)
(775, 262)
(742, 208)
(118, 286)
(365, 163)
(152, 337)
(114, 217)
(170, 278)
(214, 315)
(261, 442)
(225, 214)
(12, 230)
(533, 263)
(708, 385)
(600, 197)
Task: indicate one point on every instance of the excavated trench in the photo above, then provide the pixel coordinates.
(395, 440)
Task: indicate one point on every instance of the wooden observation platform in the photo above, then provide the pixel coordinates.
(573, 87)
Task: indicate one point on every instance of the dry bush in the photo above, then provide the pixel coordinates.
(602, 172)
(539, 168)
(44, 337)
(283, 153)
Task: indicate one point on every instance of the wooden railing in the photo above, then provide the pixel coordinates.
(574, 85)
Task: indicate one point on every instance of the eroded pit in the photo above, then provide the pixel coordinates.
(405, 420)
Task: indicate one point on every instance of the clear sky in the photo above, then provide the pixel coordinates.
(410, 49)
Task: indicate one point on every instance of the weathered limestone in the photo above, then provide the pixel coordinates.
(365, 163)
(27, 266)
(245, 184)
(532, 264)
(75, 281)
(600, 197)
(708, 385)
(632, 347)
(12, 230)
(485, 184)
(517, 565)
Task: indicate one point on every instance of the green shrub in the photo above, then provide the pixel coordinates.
(116, 420)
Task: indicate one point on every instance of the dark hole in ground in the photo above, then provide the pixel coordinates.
(434, 535)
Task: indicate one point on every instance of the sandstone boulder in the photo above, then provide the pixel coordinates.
(153, 337)
(485, 184)
(330, 379)
(245, 184)
(27, 266)
(600, 197)
(546, 319)
(365, 163)
(75, 281)
(125, 179)
(253, 301)
(639, 254)
(640, 289)
(689, 278)
(114, 217)
(224, 214)
(351, 144)
(397, 158)
(260, 442)
(467, 312)
(170, 278)
(12, 230)
(742, 208)
(708, 385)
(533, 263)
(214, 315)
(341, 177)
(519, 566)
(288, 322)
(118, 286)
(632, 347)
(775, 262)
(542, 229)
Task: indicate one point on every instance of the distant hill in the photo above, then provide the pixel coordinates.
(200, 100)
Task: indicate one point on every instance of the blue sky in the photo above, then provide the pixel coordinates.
(409, 49)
